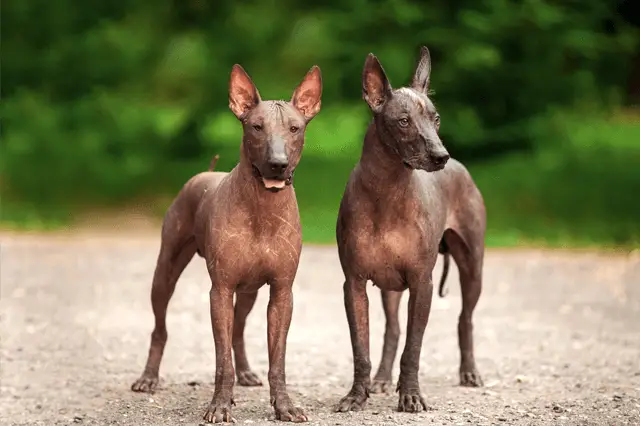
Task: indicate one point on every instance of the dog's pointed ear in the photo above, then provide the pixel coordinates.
(243, 94)
(376, 89)
(307, 97)
(423, 71)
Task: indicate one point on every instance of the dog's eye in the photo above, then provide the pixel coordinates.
(293, 129)
(404, 122)
(437, 119)
(257, 127)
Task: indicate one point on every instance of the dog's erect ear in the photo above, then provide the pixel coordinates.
(243, 95)
(423, 72)
(307, 96)
(376, 89)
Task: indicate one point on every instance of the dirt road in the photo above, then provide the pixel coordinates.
(557, 341)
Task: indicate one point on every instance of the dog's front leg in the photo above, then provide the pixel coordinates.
(221, 298)
(356, 304)
(279, 314)
(420, 292)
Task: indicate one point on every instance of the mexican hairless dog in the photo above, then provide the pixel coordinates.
(405, 201)
(246, 226)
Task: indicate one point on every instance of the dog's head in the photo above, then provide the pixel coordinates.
(406, 117)
(274, 130)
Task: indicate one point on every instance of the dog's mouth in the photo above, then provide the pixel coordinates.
(274, 183)
(427, 166)
(430, 167)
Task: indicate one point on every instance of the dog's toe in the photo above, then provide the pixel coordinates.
(248, 378)
(145, 384)
(471, 379)
(354, 401)
(412, 402)
(293, 414)
(381, 386)
(285, 410)
(218, 414)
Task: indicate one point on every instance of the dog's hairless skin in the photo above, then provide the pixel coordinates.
(246, 226)
(405, 202)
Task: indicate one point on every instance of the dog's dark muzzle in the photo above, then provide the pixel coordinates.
(274, 177)
(429, 162)
(277, 167)
(438, 160)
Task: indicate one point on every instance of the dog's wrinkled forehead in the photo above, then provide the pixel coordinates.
(277, 113)
(411, 100)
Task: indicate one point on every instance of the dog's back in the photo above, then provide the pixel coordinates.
(189, 198)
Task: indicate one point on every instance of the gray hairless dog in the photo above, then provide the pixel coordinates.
(405, 201)
(246, 225)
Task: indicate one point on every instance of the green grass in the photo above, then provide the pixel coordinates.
(580, 190)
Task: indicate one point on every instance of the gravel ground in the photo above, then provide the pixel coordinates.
(557, 340)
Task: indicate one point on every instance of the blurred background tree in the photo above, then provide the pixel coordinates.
(111, 103)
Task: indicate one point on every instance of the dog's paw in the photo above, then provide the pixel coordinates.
(381, 386)
(354, 401)
(287, 412)
(248, 378)
(146, 383)
(471, 379)
(411, 402)
(219, 413)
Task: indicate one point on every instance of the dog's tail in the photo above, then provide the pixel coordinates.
(442, 290)
(214, 160)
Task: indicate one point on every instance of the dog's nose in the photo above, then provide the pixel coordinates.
(440, 159)
(278, 165)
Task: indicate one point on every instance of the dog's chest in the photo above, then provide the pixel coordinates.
(249, 260)
(386, 254)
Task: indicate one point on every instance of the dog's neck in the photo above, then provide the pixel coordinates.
(381, 168)
(251, 192)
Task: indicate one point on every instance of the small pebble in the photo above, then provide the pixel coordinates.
(558, 409)
(521, 379)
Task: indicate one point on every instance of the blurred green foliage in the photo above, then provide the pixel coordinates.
(112, 101)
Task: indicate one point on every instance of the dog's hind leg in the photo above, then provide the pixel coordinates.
(176, 251)
(467, 248)
(244, 304)
(382, 382)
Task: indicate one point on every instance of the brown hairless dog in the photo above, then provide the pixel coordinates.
(405, 201)
(246, 226)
